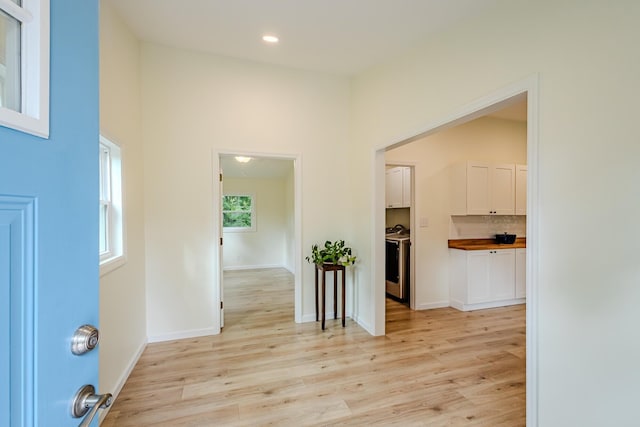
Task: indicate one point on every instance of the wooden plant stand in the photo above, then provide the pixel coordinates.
(335, 268)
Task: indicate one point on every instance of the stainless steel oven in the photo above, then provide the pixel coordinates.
(397, 269)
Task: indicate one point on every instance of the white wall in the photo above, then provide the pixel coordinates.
(194, 105)
(266, 246)
(123, 330)
(585, 54)
(485, 139)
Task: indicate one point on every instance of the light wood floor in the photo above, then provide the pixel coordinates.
(433, 368)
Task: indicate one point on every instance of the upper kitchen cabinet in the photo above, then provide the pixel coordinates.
(479, 188)
(398, 187)
(521, 189)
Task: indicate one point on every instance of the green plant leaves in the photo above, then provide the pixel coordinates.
(331, 253)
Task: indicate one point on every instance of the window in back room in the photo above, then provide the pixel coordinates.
(238, 212)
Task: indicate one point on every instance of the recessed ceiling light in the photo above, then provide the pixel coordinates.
(270, 39)
(243, 159)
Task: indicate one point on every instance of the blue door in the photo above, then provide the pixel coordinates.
(49, 234)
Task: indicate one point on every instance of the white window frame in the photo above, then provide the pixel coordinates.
(34, 55)
(253, 214)
(111, 184)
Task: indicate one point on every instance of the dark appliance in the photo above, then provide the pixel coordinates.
(397, 269)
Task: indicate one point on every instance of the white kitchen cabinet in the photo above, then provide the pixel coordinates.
(398, 187)
(479, 188)
(521, 189)
(406, 187)
(521, 273)
(483, 278)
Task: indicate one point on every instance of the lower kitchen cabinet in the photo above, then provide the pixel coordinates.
(484, 278)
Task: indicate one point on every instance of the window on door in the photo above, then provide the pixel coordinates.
(24, 65)
(238, 212)
(111, 211)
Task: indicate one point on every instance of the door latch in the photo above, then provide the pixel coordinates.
(85, 339)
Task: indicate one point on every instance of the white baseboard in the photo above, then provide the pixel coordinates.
(364, 325)
(253, 267)
(432, 305)
(123, 379)
(194, 333)
(481, 306)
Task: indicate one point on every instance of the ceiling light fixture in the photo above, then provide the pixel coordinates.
(270, 39)
(242, 159)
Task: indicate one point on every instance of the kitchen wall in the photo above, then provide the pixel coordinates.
(123, 326)
(485, 139)
(584, 58)
(196, 104)
(398, 216)
(265, 247)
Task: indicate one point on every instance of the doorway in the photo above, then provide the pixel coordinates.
(258, 212)
(492, 102)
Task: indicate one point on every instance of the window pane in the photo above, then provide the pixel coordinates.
(105, 173)
(235, 219)
(236, 203)
(9, 62)
(103, 228)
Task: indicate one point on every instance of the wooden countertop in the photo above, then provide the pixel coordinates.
(485, 244)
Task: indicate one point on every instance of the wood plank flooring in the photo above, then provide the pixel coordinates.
(433, 368)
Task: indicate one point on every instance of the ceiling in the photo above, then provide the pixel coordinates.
(258, 167)
(336, 36)
(342, 37)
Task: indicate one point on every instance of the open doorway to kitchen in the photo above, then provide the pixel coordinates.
(257, 201)
(437, 294)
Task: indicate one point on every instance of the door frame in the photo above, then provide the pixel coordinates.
(485, 105)
(412, 226)
(297, 208)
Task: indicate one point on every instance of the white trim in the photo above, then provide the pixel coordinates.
(253, 267)
(364, 325)
(123, 379)
(533, 249)
(433, 305)
(113, 263)
(180, 335)
(478, 108)
(18, 12)
(34, 117)
(117, 255)
(459, 305)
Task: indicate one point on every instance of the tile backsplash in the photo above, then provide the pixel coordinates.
(486, 226)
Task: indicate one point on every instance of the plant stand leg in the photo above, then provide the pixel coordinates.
(335, 294)
(323, 298)
(316, 268)
(344, 295)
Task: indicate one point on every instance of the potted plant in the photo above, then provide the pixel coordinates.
(331, 253)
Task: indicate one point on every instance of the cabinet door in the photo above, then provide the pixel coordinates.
(478, 188)
(521, 189)
(393, 189)
(521, 273)
(503, 189)
(406, 187)
(502, 274)
(478, 284)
